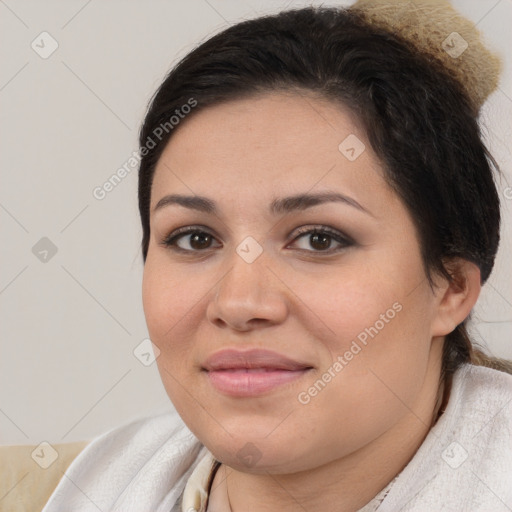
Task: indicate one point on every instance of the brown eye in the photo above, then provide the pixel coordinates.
(320, 241)
(321, 238)
(200, 240)
(189, 240)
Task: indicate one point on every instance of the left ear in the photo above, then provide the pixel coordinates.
(456, 298)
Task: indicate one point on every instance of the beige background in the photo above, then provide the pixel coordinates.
(70, 325)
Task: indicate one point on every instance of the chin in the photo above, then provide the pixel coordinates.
(254, 458)
(252, 450)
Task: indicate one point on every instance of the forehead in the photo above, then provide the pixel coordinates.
(267, 145)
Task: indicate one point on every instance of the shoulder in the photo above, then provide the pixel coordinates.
(139, 462)
(144, 435)
(464, 462)
(479, 415)
(488, 378)
(484, 395)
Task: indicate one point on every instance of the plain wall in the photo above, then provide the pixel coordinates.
(70, 323)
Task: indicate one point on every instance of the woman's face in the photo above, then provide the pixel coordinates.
(348, 307)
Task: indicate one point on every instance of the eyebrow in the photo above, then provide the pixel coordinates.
(278, 206)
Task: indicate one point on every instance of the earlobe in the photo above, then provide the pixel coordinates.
(456, 298)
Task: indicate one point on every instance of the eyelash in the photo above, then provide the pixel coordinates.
(170, 241)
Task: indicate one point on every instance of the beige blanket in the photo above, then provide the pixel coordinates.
(25, 483)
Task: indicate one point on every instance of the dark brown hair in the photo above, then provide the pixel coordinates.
(418, 120)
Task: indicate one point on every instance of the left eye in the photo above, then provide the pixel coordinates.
(321, 239)
(199, 240)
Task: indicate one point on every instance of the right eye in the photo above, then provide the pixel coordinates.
(192, 239)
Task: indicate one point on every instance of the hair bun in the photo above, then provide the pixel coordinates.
(434, 28)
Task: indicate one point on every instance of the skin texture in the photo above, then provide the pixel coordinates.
(362, 428)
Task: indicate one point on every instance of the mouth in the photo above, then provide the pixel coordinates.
(251, 373)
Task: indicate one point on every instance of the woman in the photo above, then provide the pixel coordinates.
(319, 213)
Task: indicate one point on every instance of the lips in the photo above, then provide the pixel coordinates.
(251, 359)
(251, 373)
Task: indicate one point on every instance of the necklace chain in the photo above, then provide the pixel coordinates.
(227, 490)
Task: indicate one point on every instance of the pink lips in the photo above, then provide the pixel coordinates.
(252, 372)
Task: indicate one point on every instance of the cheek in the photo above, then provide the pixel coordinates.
(374, 379)
(165, 294)
(352, 302)
(169, 303)
(175, 301)
(378, 342)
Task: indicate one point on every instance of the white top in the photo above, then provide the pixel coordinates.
(464, 463)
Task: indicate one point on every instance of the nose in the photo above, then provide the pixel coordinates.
(249, 295)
